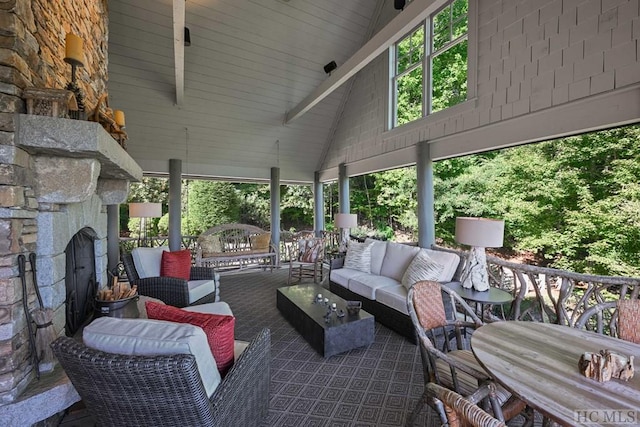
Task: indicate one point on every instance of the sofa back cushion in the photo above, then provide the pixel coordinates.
(148, 261)
(396, 260)
(448, 260)
(144, 337)
(378, 249)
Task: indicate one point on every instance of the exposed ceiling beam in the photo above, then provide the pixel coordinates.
(178, 47)
(411, 16)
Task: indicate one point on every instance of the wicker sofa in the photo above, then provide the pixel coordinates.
(380, 289)
(122, 390)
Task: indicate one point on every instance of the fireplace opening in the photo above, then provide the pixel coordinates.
(80, 279)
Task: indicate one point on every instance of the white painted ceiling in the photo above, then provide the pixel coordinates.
(250, 61)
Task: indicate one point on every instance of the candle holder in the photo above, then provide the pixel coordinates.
(73, 55)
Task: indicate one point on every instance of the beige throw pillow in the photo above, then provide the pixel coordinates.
(260, 242)
(210, 245)
(423, 267)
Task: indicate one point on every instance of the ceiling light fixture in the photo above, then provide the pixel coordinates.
(399, 4)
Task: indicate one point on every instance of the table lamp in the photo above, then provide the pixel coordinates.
(479, 233)
(143, 211)
(345, 222)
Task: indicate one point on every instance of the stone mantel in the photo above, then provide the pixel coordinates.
(43, 135)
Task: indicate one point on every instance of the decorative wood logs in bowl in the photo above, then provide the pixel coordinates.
(118, 291)
(605, 365)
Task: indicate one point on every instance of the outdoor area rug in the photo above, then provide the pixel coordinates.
(374, 386)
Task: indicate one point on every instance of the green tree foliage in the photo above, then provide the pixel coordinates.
(212, 203)
(296, 204)
(255, 204)
(573, 202)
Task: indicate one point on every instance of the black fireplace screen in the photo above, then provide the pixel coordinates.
(80, 279)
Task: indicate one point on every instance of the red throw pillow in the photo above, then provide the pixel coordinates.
(176, 264)
(218, 328)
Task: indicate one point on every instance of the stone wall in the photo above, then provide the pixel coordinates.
(32, 47)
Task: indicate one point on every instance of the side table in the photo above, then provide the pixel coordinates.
(493, 296)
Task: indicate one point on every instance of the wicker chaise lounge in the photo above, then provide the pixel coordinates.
(121, 390)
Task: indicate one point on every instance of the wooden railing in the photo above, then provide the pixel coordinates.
(558, 296)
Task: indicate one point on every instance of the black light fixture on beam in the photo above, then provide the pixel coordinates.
(330, 67)
(187, 37)
(399, 4)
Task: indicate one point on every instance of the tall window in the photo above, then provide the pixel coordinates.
(430, 73)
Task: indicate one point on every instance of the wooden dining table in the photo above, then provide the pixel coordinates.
(538, 362)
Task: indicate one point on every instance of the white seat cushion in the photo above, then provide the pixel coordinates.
(145, 337)
(367, 284)
(201, 288)
(341, 276)
(394, 297)
(148, 261)
(221, 308)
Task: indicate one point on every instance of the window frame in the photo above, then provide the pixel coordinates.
(427, 61)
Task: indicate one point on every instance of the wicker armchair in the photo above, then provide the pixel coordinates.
(121, 390)
(460, 411)
(170, 290)
(451, 367)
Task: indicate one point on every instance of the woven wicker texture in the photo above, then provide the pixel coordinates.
(170, 290)
(629, 320)
(167, 390)
(427, 299)
(461, 412)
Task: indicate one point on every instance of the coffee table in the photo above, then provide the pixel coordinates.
(339, 334)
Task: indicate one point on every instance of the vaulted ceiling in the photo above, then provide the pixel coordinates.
(249, 63)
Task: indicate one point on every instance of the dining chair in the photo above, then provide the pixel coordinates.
(460, 412)
(305, 259)
(629, 320)
(446, 357)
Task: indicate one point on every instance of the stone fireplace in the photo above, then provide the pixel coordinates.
(57, 177)
(75, 170)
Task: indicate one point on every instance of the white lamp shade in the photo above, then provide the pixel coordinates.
(145, 210)
(480, 232)
(345, 220)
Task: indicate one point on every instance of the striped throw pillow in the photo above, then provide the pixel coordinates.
(358, 256)
(423, 267)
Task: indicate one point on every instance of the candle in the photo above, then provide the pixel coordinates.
(73, 48)
(118, 115)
